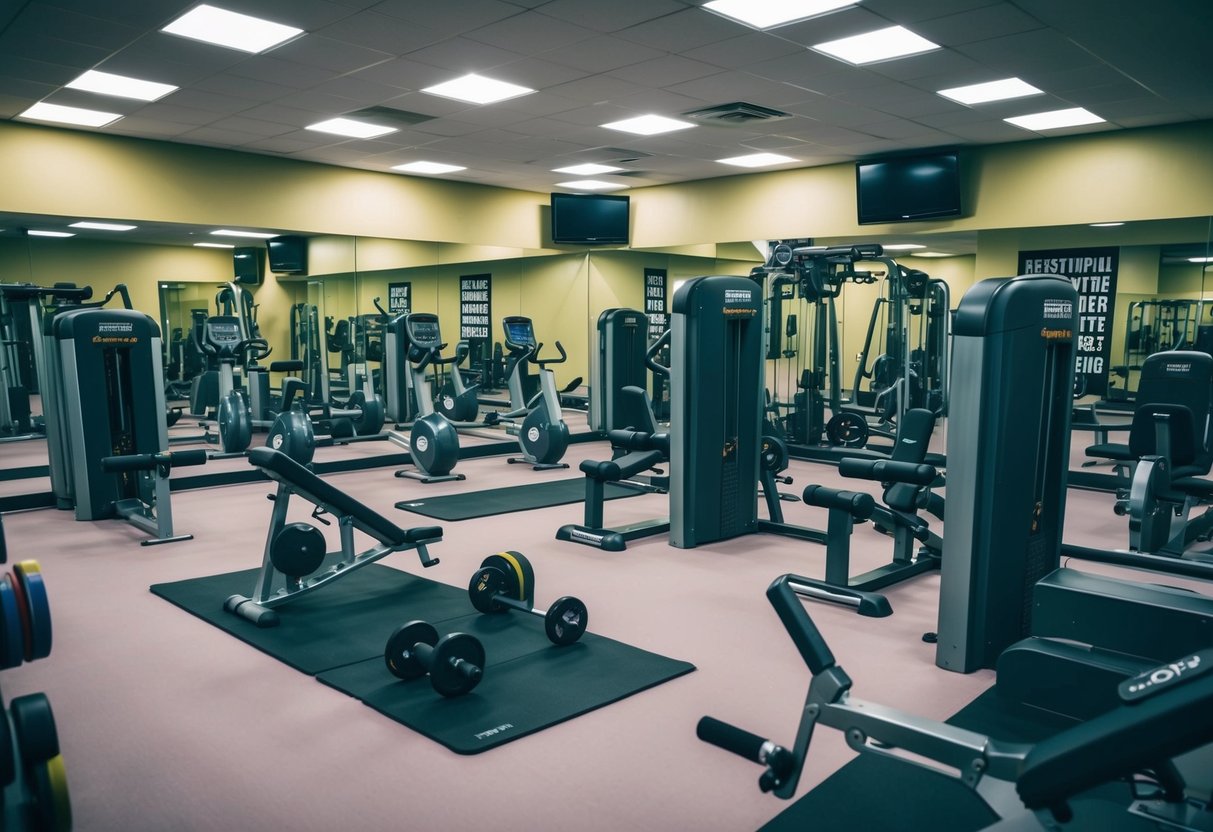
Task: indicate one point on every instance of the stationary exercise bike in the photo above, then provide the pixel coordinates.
(220, 338)
(542, 434)
(432, 441)
(456, 400)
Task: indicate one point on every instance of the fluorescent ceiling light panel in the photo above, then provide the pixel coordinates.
(214, 245)
(1200, 259)
(1055, 119)
(587, 169)
(427, 167)
(231, 29)
(757, 160)
(766, 14)
(590, 185)
(477, 89)
(38, 233)
(256, 235)
(1106, 224)
(903, 247)
(648, 125)
(103, 226)
(990, 91)
(69, 115)
(351, 128)
(931, 254)
(107, 83)
(880, 45)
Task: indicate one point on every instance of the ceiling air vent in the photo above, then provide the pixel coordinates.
(739, 112)
(390, 116)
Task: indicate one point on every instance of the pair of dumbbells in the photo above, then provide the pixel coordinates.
(455, 662)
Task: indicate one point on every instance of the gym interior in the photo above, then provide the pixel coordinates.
(601, 453)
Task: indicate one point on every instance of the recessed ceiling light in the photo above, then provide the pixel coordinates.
(231, 29)
(427, 167)
(931, 254)
(33, 232)
(477, 89)
(590, 185)
(256, 235)
(587, 169)
(757, 160)
(1054, 119)
(103, 226)
(350, 127)
(990, 91)
(1106, 224)
(880, 45)
(648, 125)
(1200, 259)
(69, 115)
(214, 245)
(766, 14)
(902, 247)
(120, 85)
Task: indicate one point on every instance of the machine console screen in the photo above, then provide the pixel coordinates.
(519, 332)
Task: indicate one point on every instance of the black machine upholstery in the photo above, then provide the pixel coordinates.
(281, 468)
(1179, 384)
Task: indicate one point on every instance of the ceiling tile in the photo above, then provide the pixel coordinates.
(840, 24)
(899, 11)
(210, 102)
(595, 88)
(211, 135)
(687, 29)
(665, 71)
(147, 127)
(1049, 51)
(743, 50)
(460, 56)
(381, 32)
(328, 54)
(15, 66)
(404, 73)
(169, 111)
(238, 87)
(608, 16)
(39, 18)
(449, 18)
(600, 54)
(291, 143)
(938, 64)
(320, 102)
(977, 24)
(530, 33)
(255, 126)
(59, 52)
(287, 73)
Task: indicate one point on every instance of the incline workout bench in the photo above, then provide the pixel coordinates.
(296, 550)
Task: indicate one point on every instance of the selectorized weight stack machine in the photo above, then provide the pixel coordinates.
(110, 403)
(619, 362)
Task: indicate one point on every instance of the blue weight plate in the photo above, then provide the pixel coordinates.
(28, 575)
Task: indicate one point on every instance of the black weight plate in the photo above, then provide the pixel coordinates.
(8, 763)
(12, 627)
(847, 429)
(235, 424)
(458, 664)
(52, 807)
(27, 636)
(298, 549)
(488, 583)
(371, 420)
(28, 575)
(34, 726)
(399, 654)
(519, 573)
(3, 545)
(341, 428)
(566, 620)
(292, 433)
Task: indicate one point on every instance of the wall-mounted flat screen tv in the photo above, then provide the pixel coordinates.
(590, 219)
(247, 264)
(287, 254)
(908, 188)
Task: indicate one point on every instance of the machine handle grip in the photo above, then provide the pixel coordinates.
(731, 738)
(887, 470)
(805, 635)
(148, 462)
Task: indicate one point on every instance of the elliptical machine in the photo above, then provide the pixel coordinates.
(432, 441)
(221, 339)
(542, 434)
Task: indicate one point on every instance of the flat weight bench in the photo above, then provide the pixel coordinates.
(293, 551)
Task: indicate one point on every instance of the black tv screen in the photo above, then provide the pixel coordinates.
(248, 265)
(908, 188)
(287, 255)
(582, 219)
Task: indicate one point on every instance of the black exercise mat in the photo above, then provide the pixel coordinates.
(874, 792)
(346, 622)
(470, 505)
(528, 685)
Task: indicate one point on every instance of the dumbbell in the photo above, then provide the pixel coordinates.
(455, 662)
(490, 590)
(29, 755)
